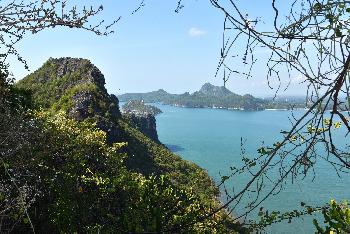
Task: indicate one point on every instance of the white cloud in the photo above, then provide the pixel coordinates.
(196, 32)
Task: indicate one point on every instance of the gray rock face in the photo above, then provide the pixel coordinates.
(82, 84)
(216, 91)
(90, 73)
(141, 116)
(80, 110)
(100, 106)
(145, 124)
(76, 86)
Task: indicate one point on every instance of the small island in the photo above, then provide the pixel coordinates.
(142, 117)
(138, 107)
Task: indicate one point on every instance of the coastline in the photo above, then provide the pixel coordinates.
(220, 107)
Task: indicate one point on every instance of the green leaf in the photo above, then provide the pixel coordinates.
(317, 6)
(262, 151)
(224, 178)
(330, 17)
(252, 164)
(338, 33)
(319, 229)
(25, 220)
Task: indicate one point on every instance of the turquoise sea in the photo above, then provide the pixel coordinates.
(212, 139)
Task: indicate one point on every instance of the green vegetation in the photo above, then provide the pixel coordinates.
(62, 167)
(152, 97)
(80, 185)
(138, 107)
(62, 172)
(337, 218)
(59, 83)
(142, 117)
(210, 96)
(152, 158)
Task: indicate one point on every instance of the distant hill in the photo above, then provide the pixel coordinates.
(214, 91)
(138, 107)
(154, 96)
(211, 96)
(141, 117)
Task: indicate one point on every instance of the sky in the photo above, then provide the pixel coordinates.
(154, 48)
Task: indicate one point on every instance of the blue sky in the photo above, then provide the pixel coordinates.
(151, 49)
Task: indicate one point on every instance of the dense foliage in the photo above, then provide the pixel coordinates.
(77, 183)
(97, 106)
(61, 173)
(336, 217)
(59, 82)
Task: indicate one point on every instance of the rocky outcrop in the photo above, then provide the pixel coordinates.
(141, 117)
(145, 124)
(88, 71)
(93, 103)
(76, 86)
(214, 91)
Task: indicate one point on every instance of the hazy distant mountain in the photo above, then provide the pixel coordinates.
(139, 108)
(154, 96)
(214, 91)
(211, 96)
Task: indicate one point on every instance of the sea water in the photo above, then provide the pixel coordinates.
(214, 139)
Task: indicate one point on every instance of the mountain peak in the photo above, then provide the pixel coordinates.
(212, 90)
(74, 85)
(83, 70)
(161, 91)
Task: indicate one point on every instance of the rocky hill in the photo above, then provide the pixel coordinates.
(142, 117)
(80, 166)
(214, 91)
(151, 97)
(76, 86)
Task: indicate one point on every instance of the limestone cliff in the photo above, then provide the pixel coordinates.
(77, 87)
(142, 117)
(145, 124)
